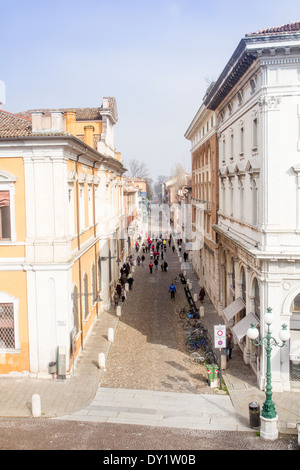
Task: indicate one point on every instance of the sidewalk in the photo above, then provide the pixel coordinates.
(241, 381)
(80, 397)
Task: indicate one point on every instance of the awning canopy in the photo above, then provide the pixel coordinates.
(240, 329)
(235, 307)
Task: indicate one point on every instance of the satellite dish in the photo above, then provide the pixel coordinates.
(2, 92)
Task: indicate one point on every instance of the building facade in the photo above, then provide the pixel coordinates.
(61, 233)
(205, 199)
(257, 100)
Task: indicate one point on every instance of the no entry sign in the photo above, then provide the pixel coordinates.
(220, 336)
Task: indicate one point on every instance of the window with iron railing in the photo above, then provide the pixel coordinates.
(7, 328)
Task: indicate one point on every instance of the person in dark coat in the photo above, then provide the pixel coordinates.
(201, 294)
(130, 282)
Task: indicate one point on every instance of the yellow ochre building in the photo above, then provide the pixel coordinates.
(62, 233)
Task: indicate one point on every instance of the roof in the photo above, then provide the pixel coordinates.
(245, 54)
(82, 114)
(286, 28)
(12, 125)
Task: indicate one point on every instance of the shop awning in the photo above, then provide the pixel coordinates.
(240, 329)
(235, 307)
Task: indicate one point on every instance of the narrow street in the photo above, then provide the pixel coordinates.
(149, 352)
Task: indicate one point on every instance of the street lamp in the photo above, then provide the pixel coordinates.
(268, 411)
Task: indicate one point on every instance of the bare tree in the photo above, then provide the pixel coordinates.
(137, 169)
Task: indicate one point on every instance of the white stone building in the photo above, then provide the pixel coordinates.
(257, 102)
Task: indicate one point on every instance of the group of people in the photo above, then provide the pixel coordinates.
(155, 255)
(125, 277)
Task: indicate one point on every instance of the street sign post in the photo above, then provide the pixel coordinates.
(220, 342)
(220, 336)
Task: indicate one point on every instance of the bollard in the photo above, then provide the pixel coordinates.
(36, 405)
(101, 361)
(184, 273)
(110, 335)
(181, 266)
(195, 297)
(118, 310)
(126, 286)
(201, 311)
(180, 259)
(190, 285)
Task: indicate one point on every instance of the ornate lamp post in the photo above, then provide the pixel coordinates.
(268, 413)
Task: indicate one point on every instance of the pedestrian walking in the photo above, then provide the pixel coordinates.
(143, 259)
(116, 298)
(130, 282)
(185, 255)
(150, 267)
(123, 294)
(201, 294)
(173, 248)
(229, 346)
(138, 260)
(155, 263)
(165, 266)
(172, 290)
(118, 289)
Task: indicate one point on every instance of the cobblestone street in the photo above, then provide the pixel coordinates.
(149, 352)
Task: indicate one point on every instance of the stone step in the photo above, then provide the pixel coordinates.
(151, 408)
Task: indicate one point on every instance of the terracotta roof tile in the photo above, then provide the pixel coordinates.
(12, 125)
(286, 28)
(82, 114)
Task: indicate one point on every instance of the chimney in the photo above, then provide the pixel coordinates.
(70, 117)
(89, 135)
(37, 119)
(57, 121)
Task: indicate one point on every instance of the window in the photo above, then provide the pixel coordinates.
(254, 203)
(254, 133)
(5, 225)
(81, 207)
(256, 300)
(7, 329)
(90, 205)
(85, 296)
(242, 140)
(75, 310)
(93, 283)
(71, 210)
(9, 336)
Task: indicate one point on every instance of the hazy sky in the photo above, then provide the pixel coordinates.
(155, 57)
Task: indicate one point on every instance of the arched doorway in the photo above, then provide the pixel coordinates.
(295, 342)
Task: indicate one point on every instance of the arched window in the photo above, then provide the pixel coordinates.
(75, 310)
(93, 283)
(295, 341)
(85, 296)
(243, 277)
(256, 300)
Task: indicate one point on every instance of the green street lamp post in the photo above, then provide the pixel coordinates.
(268, 411)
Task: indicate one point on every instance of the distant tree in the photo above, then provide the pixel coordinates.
(137, 169)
